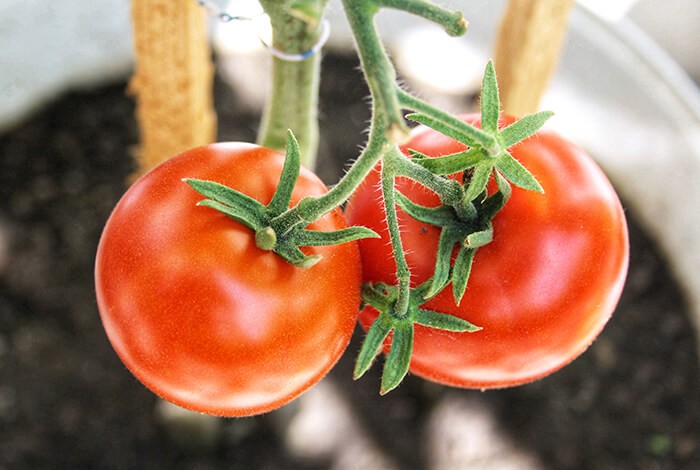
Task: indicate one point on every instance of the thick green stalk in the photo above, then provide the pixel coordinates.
(379, 71)
(293, 100)
(403, 272)
(388, 124)
(388, 100)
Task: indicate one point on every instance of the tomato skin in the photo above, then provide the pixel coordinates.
(542, 290)
(197, 312)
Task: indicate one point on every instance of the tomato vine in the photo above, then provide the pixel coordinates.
(470, 176)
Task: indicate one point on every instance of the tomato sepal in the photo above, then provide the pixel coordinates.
(234, 204)
(399, 358)
(523, 128)
(460, 273)
(487, 146)
(516, 173)
(490, 100)
(401, 327)
(449, 164)
(273, 230)
(458, 130)
(372, 345)
(464, 228)
(316, 238)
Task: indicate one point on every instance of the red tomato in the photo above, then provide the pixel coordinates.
(542, 290)
(197, 312)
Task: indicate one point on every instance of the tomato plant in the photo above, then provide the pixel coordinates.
(237, 303)
(541, 291)
(199, 313)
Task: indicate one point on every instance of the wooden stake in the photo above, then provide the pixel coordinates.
(173, 79)
(527, 50)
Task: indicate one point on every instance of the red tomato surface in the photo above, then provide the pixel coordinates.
(197, 312)
(542, 290)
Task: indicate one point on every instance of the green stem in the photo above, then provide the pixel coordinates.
(379, 71)
(293, 100)
(388, 101)
(388, 124)
(452, 21)
(387, 130)
(403, 273)
(312, 208)
(448, 190)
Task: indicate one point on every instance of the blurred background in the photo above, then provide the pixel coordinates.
(626, 89)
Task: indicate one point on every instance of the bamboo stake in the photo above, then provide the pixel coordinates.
(172, 82)
(527, 50)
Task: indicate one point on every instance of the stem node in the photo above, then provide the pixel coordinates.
(266, 238)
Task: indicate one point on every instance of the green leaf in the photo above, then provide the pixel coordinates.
(517, 174)
(290, 173)
(490, 103)
(439, 216)
(336, 237)
(479, 180)
(461, 272)
(399, 357)
(523, 128)
(371, 345)
(443, 321)
(449, 164)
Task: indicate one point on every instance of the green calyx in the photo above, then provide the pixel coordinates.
(401, 326)
(464, 218)
(466, 223)
(271, 224)
(487, 152)
(466, 227)
(467, 208)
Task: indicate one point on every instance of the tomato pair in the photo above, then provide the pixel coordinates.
(210, 322)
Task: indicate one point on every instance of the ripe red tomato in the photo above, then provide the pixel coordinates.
(197, 312)
(542, 290)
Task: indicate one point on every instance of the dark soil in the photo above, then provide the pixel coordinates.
(66, 401)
